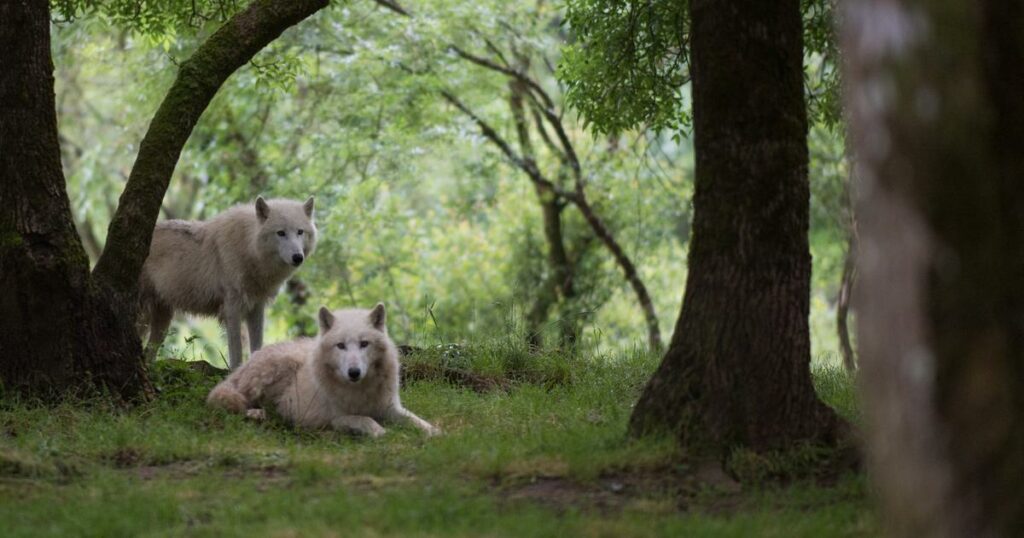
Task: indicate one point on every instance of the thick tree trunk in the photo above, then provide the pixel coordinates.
(57, 329)
(938, 125)
(737, 371)
(61, 328)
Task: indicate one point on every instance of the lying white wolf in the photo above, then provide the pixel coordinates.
(346, 379)
(229, 266)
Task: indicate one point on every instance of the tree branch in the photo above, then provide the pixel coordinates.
(527, 165)
(545, 104)
(393, 6)
(198, 80)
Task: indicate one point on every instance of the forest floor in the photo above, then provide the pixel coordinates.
(533, 446)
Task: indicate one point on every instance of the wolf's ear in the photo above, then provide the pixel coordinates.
(262, 209)
(326, 319)
(378, 317)
(308, 207)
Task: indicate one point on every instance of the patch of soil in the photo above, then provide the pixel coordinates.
(608, 494)
(131, 459)
(461, 378)
(706, 490)
(125, 457)
(270, 476)
(173, 470)
(202, 367)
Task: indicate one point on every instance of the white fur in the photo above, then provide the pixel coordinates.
(229, 266)
(307, 380)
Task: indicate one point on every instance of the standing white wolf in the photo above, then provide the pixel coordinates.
(347, 378)
(229, 266)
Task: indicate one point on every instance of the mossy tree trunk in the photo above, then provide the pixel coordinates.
(938, 128)
(51, 314)
(61, 328)
(737, 371)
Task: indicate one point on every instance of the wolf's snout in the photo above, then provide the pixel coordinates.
(354, 373)
(297, 259)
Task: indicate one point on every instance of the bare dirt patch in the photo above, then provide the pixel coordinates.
(608, 494)
(133, 461)
(461, 378)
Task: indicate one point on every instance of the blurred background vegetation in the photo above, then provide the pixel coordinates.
(415, 207)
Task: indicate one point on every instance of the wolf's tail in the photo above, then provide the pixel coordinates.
(226, 396)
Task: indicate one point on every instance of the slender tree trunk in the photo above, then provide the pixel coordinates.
(61, 328)
(737, 371)
(57, 329)
(843, 303)
(551, 205)
(578, 197)
(938, 126)
(629, 271)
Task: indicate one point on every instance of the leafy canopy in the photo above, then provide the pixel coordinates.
(628, 66)
(152, 19)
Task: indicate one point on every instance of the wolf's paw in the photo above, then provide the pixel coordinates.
(374, 430)
(256, 414)
(432, 431)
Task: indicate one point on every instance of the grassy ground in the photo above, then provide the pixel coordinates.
(540, 455)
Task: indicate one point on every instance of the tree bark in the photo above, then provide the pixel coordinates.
(62, 329)
(938, 127)
(737, 371)
(57, 329)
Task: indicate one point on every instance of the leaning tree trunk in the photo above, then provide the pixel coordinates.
(62, 329)
(737, 371)
(938, 126)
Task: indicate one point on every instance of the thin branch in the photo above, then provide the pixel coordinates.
(539, 122)
(525, 164)
(393, 6)
(546, 104)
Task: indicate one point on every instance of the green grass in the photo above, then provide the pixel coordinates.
(544, 457)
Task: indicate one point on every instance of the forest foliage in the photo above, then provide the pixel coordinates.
(416, 207)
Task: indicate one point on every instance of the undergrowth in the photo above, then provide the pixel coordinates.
(541, 452)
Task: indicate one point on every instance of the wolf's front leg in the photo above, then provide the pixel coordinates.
(254, 323)
(401, 414)
(358, 424)
(233, 326)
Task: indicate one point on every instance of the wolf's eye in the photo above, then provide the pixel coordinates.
(363, 343)
(341, 346)
(280, 233)
(299, 232)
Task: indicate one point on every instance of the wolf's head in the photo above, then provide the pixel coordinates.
(286, 228)
(354, 343)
